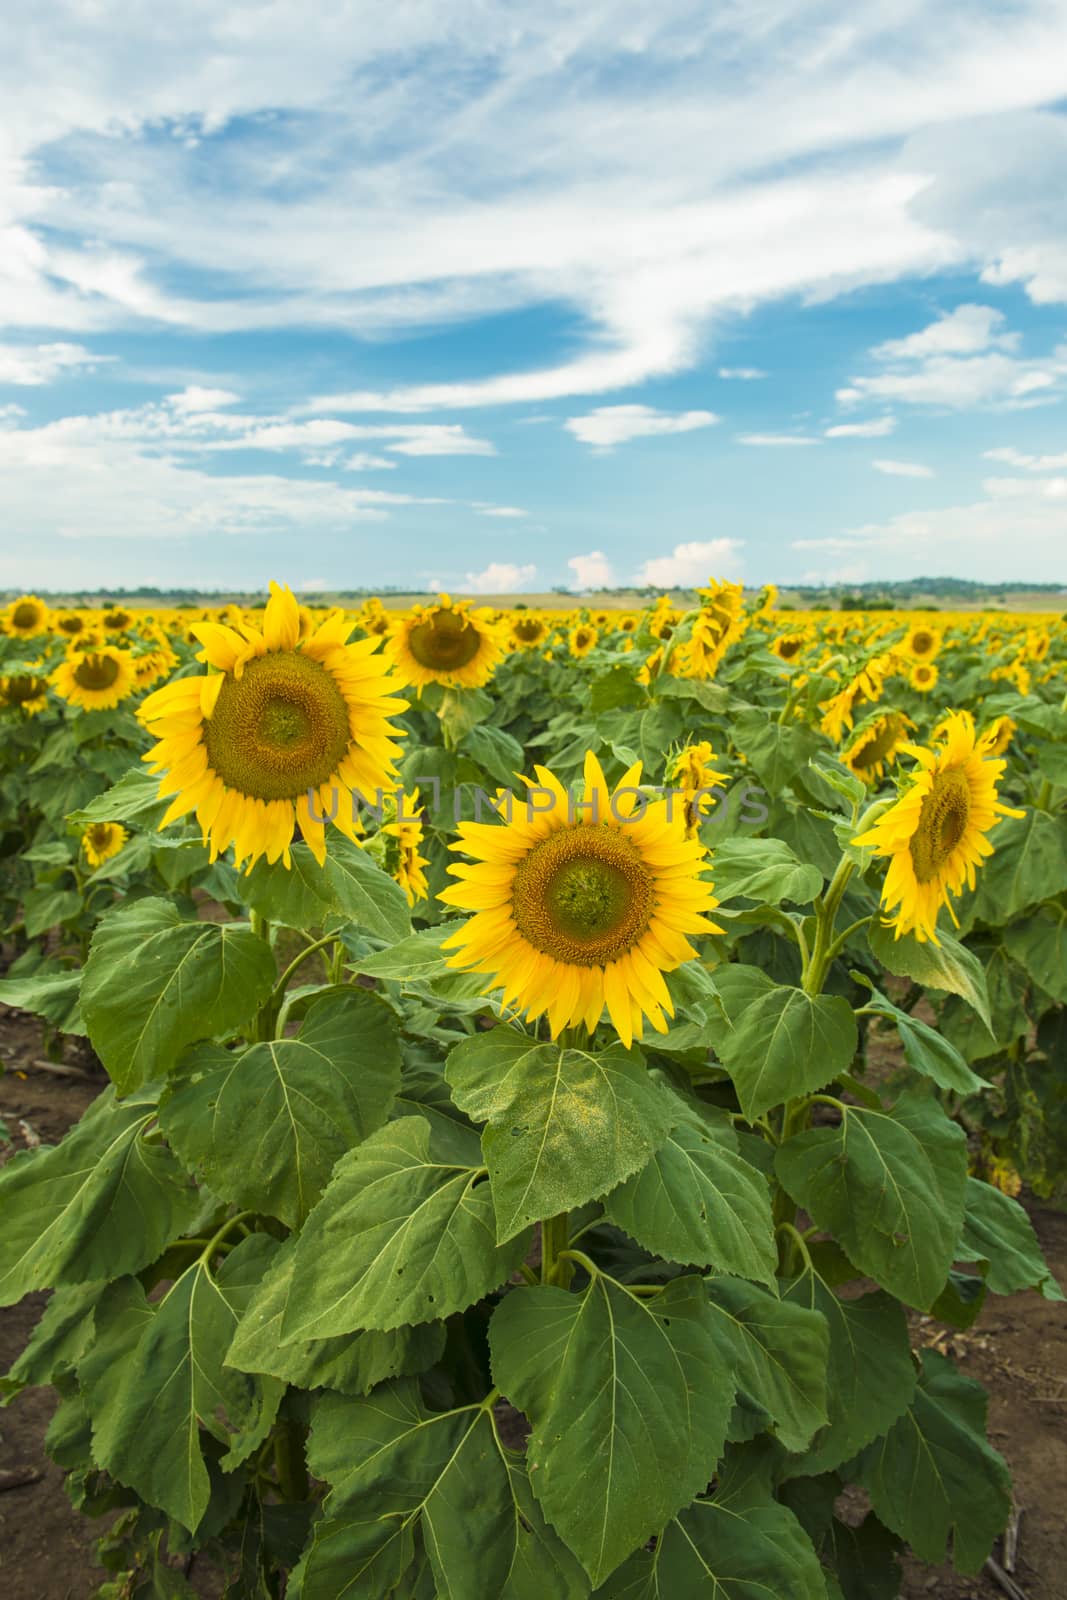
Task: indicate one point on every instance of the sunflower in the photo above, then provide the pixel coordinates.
(24, 693)
(875, 744)
(787, 646)
(70, 623)
(627, 623)
(719, 624)
(101, 841)
(695, 777)
(578, 908)
(1016, 672)
(95, 680)
(582, 639)
(26, 617)
(922, 642)
(867, 686)
(117, 620)
(998, 736)
(448, 644)
(284, 731)
(403, 857)
(935, 834)
(923, 676)
(528, 630)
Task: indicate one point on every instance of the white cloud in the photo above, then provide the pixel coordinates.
(362, 461)
(1016, 533)
(608, 426)
(962, 360)
(964, 331)
(34, 365)
(1018, 458)
(312, 586)
(501, 511)
(593, 571)
(903, 469)
(501, 577)
(196, 398)
(693, 563)
(745, 374)
(774, 440)
(878, 429)
(439, 439)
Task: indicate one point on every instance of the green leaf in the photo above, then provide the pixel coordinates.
(60, 1337)
(101, 1203)
(394, 1465)
(1028, 864)
(698, 1203)
(890, 1186)
(135, 798)
(1039, 944)
(777, 751)
(415, 958)
(629, 1406)
(925, 1050)
(776, 1353)
(153, 984)
(997, 1231)
(365, 893)
(565, 1126)
(404, 1233)
(352, 1363)
(1007, 985)
(47, 907)
(709, 696)
(52, 995)
(265, 1126)
(496, 751)
(935, 1475)
(758, 1553)
(299, 896)
(949, 965)
(157, 1374)
(765, 870)
(787, 1043)
(870, 1378)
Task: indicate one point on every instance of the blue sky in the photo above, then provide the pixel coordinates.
(491, 296)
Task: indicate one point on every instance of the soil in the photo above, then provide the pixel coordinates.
(1017, 1348)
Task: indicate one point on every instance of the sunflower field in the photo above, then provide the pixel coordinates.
(550, 1055)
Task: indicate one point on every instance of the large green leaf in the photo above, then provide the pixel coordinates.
(565, 1125)
(102, 1203)
(393, 1464)
(890, 1187)
(1006, 984)
(49, 994)
(1039, 944)
(997, 1231)
(870, 1378)
(947, 965)
(765, 870)
(61, 1336)
(629, 1405)
(352, 1363)
(1028, 864)
(265, 1125)
(776, 1354)
(698, 1202)
(153, 984)
(787, 1043)
(156, 1375)
(935, 1474)
(776, 750)
(301, 895)
(417, 957)
(404, 1233)
(757, 1553)
(134, 798)
(364, 893)
(925, 1050)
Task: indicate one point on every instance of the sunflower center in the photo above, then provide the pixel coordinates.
(444, 642)
(528, 630)
(877, 746)
(583, 895)
(99, 835)
(788, 648)
(117, 620)
(96, 672)
(280, 729)
(942, 824)
(71, 624)
(22, 689)
(922, 642)
(25, 615)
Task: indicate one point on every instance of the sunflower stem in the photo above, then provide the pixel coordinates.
(555, 1242)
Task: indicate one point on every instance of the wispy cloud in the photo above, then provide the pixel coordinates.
(879, 428)
(502, 577)
(608, 426)
(772, 441)
(1029, 463)
(33, 365)
(744, 374)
